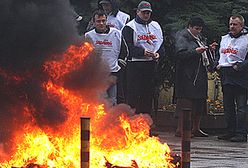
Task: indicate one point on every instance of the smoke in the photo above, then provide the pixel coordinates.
(91, 79)
(31, 32)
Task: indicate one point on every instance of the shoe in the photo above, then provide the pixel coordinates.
(199, 133)
(227, 136)
(239, 138)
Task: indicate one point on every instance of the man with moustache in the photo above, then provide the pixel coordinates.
(233, 66)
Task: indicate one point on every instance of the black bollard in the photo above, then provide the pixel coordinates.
(186, 137)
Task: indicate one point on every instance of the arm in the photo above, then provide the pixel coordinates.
(242, 66)
(123, 53)
(185, 49)
(134, 51)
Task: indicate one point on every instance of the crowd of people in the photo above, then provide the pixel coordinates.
(133, 48)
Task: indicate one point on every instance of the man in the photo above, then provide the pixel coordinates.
(109, 41)
(233, 65)
(115, 17)
(191, 81)
(144, 39)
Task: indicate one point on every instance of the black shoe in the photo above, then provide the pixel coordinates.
(227, 136)
(199, 133)
(239, 138)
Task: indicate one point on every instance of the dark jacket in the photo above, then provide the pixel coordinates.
(236, 77)
(191, 76)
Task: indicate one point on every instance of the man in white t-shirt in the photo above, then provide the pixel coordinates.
(233, 65)
(109, 41)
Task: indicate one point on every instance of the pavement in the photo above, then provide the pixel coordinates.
(209, 152)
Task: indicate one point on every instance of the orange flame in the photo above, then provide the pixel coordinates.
(125, 139)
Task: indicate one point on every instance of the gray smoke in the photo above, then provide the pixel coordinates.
(31, 31)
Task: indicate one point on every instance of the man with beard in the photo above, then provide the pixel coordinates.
(233, 65)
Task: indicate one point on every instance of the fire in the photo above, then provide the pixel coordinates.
(118, 136)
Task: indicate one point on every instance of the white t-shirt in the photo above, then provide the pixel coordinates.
(149, 37)
(233, 50)
(109, 45)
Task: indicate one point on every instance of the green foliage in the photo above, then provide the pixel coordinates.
(172, 16)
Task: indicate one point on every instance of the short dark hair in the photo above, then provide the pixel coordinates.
(98, 12)
(241, 18)
(196, 21)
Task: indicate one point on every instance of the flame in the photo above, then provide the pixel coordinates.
(125, 139)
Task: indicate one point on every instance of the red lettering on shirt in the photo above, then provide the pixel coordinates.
(105, 42)
(146, 37)
(228, 50)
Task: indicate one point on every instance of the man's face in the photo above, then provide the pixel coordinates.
(100, 23)
(235, 26)
(144, 15)
(195, 30)
(107, 7)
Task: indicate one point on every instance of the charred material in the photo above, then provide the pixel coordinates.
(110, 165)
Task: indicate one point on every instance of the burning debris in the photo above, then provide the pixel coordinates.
(48, 80)
(109, 165)
(31, 165)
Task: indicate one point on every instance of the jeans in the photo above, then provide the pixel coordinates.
(112, 94)
(235, 108)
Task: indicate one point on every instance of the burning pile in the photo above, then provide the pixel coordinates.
(44, 93)
(117, 135)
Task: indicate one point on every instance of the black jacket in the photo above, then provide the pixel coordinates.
(191, 76)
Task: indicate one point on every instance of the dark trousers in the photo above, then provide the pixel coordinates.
(235, 103)
(140, 85)
(121, 86)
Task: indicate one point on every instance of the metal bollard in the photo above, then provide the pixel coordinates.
(186, 137)
(85, 142)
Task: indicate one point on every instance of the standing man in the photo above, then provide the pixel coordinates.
(109, 41)
(117, 19)
(233, 65)
(191, 80)
(144, 39)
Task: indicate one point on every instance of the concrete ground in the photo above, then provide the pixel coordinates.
(210, 152)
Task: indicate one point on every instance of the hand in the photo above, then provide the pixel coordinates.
(213, 46)
(122, 63)
(156, 56)
(235, 67)
(218, 67)
(200, 50)
(148, 53)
